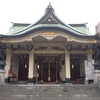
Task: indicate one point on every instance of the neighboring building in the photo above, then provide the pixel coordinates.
(98, 28)
(49, 47)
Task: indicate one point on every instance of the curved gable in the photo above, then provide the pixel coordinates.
(49, 22)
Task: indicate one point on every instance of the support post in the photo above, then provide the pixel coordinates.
(8, 64)
(31, 66)
(67, 67)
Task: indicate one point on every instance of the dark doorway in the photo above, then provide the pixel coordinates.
(49, 71)
(48, 68)
(23, 68)
(75, 69)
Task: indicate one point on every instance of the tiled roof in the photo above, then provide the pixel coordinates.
(49, 19)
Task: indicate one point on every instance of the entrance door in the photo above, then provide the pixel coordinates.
(23, 69)
(45, 71)
(75, 69)
(48, 71)
(53, 71)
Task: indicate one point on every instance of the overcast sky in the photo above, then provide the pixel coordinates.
(29, 11)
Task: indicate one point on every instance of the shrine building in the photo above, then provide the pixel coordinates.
(49, 48)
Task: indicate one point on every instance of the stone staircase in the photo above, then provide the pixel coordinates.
(49, 92)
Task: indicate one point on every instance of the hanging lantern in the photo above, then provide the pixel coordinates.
(79, 47)
(69, 47)
(11, 46)
(2, 52)
(4, 47)
(2, 64)
(29, 47)
(18, 46)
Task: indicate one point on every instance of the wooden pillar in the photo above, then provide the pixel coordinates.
(31, 66)
(8, 62)
(67, 66)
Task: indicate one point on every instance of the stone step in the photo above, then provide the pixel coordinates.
(59, 97)
(72, 88)
(48, 92)
(7, 94)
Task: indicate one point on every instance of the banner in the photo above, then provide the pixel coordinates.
(89, 68)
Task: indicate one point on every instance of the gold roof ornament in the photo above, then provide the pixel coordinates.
(49, 35)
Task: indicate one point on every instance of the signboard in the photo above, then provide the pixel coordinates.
(89, 68)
